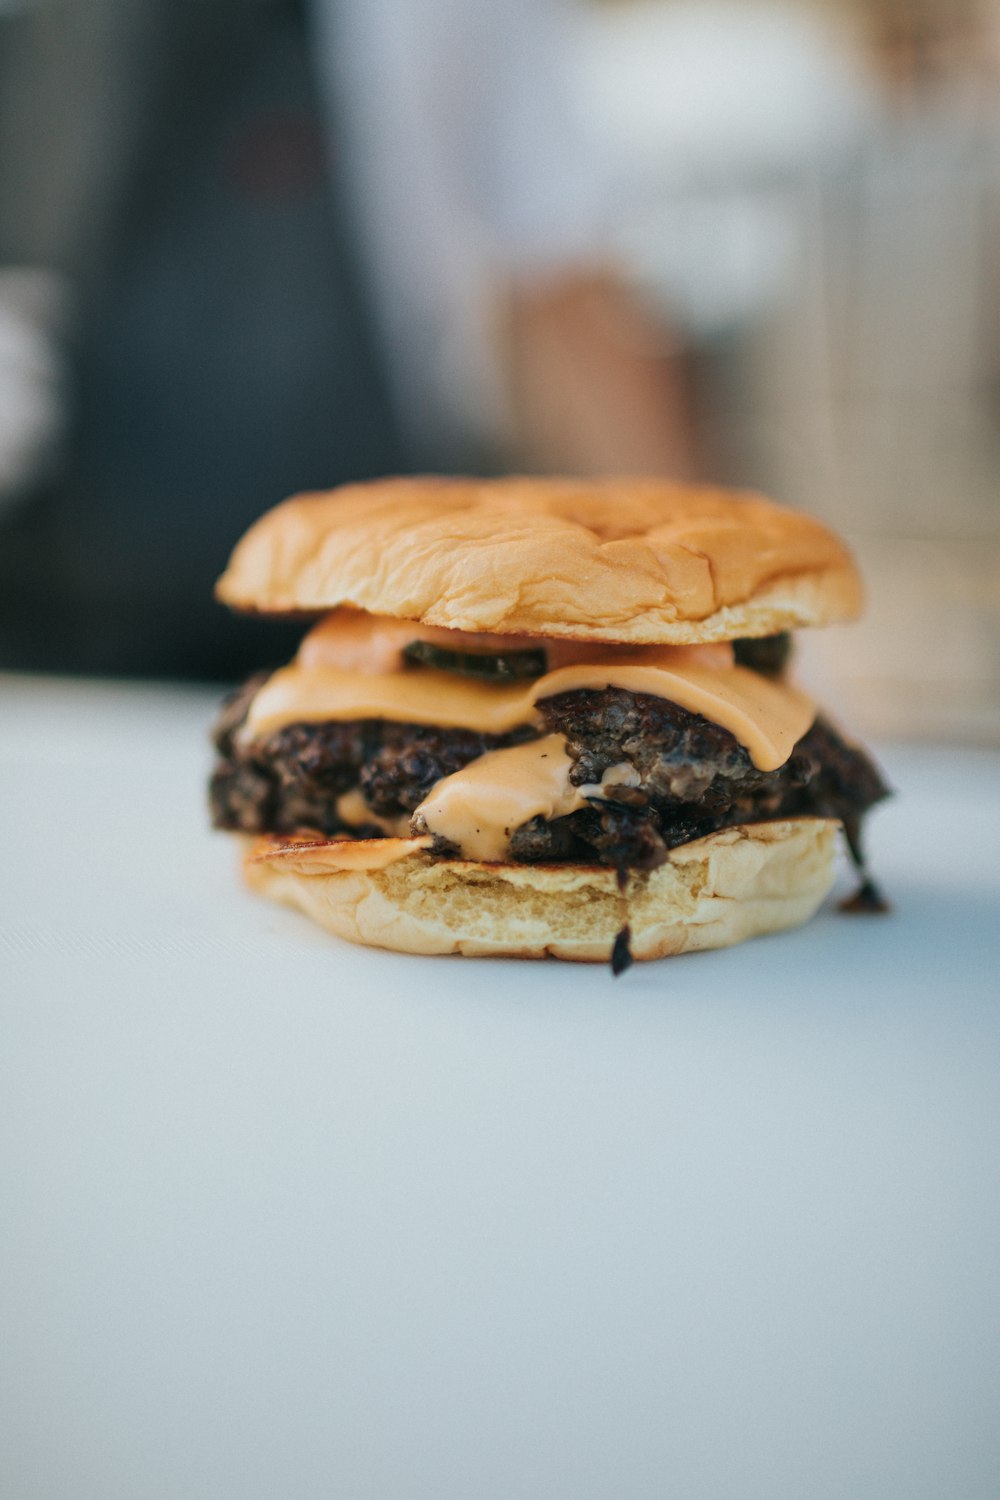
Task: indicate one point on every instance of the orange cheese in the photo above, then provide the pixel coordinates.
(479, 807)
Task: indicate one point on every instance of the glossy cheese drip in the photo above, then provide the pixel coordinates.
(766, 717)
(479, 807)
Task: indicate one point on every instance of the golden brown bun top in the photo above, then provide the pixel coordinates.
(629, 560)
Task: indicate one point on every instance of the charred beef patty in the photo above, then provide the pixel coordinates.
(688, 777)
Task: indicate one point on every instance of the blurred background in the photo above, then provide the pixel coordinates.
(254, 246)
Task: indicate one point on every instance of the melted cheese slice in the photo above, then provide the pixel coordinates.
(478, 807)
(766, 717)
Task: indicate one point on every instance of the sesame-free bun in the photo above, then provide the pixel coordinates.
(732, 885)
(637, 561)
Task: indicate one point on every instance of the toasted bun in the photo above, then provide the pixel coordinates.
(714, 892)
(637, 561)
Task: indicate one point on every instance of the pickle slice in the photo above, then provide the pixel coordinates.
(768, 654)
(498, 666)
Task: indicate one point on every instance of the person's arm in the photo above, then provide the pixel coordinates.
(593, 384)
(481, 201)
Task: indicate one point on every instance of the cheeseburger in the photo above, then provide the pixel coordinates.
(540, 716)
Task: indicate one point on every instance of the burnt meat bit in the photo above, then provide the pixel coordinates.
(621, 953)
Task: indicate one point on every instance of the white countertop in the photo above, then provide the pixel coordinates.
(282, 1217)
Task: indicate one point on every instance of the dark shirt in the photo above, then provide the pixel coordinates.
(225, 360)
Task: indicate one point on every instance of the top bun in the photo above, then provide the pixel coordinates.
(636, 561)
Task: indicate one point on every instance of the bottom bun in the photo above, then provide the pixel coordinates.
(716, 891)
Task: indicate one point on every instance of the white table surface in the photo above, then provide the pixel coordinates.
(282, 1217)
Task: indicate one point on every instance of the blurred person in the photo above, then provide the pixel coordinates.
(813, 191)
(912, 242)
(277, 246)
(824, 223)
(925, 47)
(715, 110)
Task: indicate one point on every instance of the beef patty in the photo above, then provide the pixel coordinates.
(691, 777)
